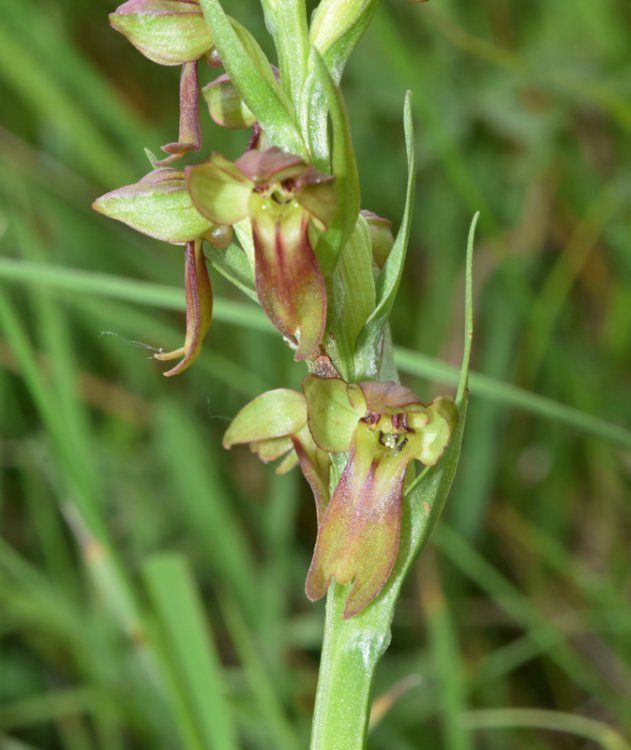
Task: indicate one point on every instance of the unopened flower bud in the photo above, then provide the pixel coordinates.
(381, 237)
(225, 105)
(169, 32)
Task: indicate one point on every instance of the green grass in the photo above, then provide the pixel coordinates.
(150, 583)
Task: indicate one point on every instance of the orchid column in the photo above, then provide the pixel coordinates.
(326, 274)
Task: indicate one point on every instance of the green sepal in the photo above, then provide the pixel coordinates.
(219, 190)
(390, 277)
(225, 105)
(273, 414)
(289, 283)
(243, 62)
(158, 205)
(332, 416)
(336, 27)
(169, 32)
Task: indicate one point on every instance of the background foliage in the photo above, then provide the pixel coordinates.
(151, 584)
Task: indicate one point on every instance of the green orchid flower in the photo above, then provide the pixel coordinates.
(383, 427)
(284, 199)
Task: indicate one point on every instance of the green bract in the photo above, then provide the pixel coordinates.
(169, 32)
(157, 205)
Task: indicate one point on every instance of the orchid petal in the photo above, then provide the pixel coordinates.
(289, 283)
(225, 104)
(358, 538)
(433, 436)
(332, 416)
(273, 414)
(219, 190)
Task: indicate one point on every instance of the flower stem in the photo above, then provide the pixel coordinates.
(353, 647)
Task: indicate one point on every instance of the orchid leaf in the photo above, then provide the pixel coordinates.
(286, 20)
(344, 168)
(248, 71)
(390, 276)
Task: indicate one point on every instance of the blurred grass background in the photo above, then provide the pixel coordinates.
(150, 583)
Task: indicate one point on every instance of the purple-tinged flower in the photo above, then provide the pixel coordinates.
(384, 427)
(283, 197)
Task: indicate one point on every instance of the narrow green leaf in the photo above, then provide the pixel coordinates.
(248, 72)
(556, 721)
(390, 277)
(181, 616)
(344, 168)
(286, 20)
(281, 732)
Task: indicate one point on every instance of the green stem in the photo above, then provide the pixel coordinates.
(350, 653)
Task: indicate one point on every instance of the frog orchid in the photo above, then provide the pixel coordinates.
(171, 32)
(285, 200)
(383, 427)
(274, 425)
(159, 206)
